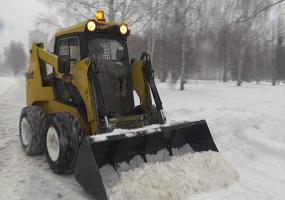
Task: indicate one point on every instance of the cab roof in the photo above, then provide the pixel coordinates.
(81, 27)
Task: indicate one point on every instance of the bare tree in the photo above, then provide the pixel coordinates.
(216, 39)
(15, 57)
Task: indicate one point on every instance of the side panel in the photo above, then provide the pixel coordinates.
(45, 97)
(53, 106)
(80, 81)
(34, 86)
(139, 84)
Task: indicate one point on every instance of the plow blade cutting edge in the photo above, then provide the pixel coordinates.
(95, 153)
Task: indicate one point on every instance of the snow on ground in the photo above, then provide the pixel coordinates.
(247, 124)
(6, 83)
(23, 177)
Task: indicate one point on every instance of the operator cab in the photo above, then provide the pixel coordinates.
(105, 44)
(111, 67)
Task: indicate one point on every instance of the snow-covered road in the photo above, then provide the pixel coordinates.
(247, 123)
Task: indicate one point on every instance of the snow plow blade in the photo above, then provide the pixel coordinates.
(116, 148)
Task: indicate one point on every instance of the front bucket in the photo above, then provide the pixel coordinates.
(114, 148)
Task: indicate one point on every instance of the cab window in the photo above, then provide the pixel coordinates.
(70, 46)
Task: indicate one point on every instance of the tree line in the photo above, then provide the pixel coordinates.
(14, 59)
(192, 39)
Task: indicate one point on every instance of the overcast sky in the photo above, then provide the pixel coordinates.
(17, 17)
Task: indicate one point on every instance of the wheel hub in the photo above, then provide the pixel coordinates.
(52, 144)
(25, 131)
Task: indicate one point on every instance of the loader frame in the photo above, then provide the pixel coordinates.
(85, 144)
(43, 95)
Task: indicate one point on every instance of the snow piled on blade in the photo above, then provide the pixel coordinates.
(126, 132)
(150, 129)
(178, 178)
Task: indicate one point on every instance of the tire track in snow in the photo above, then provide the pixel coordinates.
(241, 131)
(253, 160)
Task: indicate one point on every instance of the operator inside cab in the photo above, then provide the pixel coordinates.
(108, 60)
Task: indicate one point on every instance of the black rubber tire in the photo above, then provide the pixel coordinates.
(36, 121)
(70, 137)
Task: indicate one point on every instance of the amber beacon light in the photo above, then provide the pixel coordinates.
(100, 15)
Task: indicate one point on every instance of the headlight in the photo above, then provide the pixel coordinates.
(123, 29)
(91, 26)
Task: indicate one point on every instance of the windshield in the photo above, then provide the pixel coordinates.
(112, 72)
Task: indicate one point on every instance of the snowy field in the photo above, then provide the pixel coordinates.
(247, 123)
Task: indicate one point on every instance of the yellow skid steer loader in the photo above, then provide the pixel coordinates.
(82, 93)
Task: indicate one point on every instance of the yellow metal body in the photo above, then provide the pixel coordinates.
(34, 87)
(44, 95)
(139, 85)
